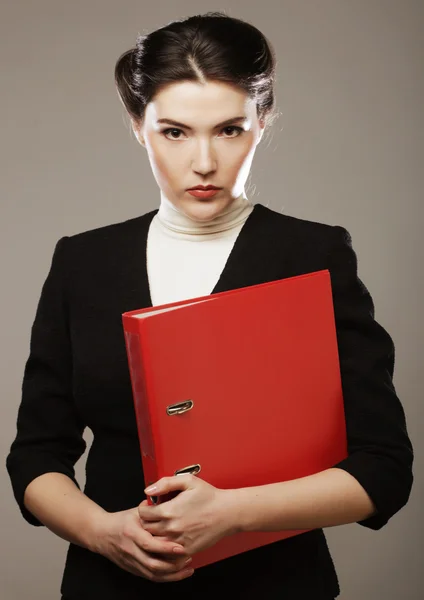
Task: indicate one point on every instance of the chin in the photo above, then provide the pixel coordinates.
(202, 215)
(202, 206)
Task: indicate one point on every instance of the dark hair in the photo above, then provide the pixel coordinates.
(208, 47)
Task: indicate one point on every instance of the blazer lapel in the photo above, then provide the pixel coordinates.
(250, 261)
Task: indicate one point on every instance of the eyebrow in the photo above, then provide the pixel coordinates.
(222, 124)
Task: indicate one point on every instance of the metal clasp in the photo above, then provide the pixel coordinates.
(191, 470)
(179, 408)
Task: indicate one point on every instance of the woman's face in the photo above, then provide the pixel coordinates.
(200, 134)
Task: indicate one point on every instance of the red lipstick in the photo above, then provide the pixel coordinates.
(203, 191)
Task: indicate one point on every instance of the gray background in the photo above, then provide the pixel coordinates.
(347, 149)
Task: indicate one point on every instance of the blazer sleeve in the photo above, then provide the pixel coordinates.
(380, 454)
(49, 430)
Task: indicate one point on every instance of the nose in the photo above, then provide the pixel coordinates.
(204, 160)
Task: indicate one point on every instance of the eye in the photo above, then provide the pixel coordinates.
(173, 130)
(173, 133)
(233, 128)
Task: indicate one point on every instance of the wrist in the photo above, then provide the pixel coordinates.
(96, 530)
(234, 507)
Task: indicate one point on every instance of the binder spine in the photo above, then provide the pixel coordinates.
(141, 405)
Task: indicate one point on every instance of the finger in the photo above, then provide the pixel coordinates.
(179, 576)
(140, 571)
(165, 486)
(150, 513)
(179, 549)
(170, 484)
(158, 545)
(159, 564)
(156, 568)
(156, 528)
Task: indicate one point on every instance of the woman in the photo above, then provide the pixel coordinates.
(199, 93)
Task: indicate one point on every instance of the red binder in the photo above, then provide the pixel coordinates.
(242, 387)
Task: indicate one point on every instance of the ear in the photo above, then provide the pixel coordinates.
(262, 126)
(137, 129)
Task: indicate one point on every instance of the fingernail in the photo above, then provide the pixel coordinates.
(150, 489)
(188, 561)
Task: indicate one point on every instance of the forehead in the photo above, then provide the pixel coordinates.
(203, 104)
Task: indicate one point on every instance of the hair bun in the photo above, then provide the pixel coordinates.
(212, 46)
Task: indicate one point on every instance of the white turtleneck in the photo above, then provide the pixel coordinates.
(185, 258)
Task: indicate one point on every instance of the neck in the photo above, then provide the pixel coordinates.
(175, 220)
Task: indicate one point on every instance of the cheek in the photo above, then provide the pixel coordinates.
(233, 158)
(166, 163)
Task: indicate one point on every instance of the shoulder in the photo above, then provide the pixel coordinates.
(112, 232)
(302, 233)
(106, 240)
(100, 254)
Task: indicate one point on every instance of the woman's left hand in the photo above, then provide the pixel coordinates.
(198, 517)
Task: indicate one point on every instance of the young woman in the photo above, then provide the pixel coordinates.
(199, 93)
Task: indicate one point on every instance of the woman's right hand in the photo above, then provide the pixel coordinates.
(120, 537)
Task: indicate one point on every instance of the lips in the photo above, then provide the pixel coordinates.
(205, 187)
(203, 193)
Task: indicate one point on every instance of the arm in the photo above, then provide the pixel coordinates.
(368, 487)
(375, 480)
(55, 501)
(49, 430)
(332, 497)
(49, 442)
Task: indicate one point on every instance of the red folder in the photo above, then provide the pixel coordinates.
(242, 387)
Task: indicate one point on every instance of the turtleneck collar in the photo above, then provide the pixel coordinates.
(174, 220)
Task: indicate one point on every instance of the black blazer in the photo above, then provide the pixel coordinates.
(77, 376)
